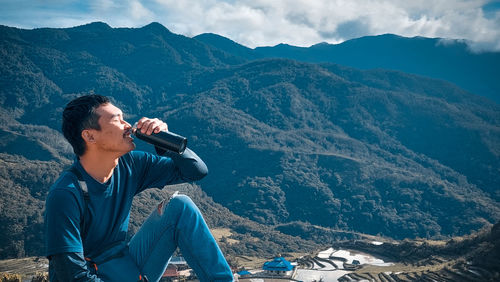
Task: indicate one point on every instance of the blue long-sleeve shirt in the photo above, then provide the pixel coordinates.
(109, 207)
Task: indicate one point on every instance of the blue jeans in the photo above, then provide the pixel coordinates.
(174, 223)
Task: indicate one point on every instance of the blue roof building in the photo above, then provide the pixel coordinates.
(279, 266)
(244, 272)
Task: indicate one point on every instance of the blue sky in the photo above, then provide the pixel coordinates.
(269, 22)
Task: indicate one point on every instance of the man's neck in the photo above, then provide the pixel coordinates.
(99, 166)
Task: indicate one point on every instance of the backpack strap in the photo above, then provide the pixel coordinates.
(85, 191)
(83, 184)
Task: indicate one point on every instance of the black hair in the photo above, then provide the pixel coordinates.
(78, 115)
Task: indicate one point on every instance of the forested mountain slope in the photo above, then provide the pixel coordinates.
(441, 58)
(287, 143)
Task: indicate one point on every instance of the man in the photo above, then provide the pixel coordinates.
(86, 231)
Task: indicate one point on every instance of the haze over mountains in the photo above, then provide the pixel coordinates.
(289, 142)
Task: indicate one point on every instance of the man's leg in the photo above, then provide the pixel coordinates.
(179, 223)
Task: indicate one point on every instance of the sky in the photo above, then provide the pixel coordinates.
(256, 23)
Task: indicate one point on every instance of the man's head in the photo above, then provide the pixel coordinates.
(81, 114)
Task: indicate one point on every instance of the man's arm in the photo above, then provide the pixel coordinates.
(191, 167)
(71, 267)
(158, 172)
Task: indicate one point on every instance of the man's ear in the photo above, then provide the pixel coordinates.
(88, 136)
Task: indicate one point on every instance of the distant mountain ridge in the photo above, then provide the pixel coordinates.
(286, 142)
(440, 58)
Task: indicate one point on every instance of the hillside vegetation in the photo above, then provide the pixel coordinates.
(448, 59)
(300, 154)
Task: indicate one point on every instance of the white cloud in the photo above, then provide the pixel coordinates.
(263, 22)
(138, 12)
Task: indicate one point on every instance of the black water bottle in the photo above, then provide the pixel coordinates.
(164, 139)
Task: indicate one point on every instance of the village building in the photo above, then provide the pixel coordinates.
(177, 270)
(279, 267)
(170, 273)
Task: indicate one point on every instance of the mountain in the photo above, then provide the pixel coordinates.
(446, 59)
(227, 45)
(302, 151)
(312, 144)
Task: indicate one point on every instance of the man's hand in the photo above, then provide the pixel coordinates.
(148, 126)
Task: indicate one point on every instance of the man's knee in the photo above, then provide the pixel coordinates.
(183, 203)
(182, 200)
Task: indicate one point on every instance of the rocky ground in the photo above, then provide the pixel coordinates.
(26, 269)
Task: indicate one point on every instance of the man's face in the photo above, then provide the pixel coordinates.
(114, 135)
